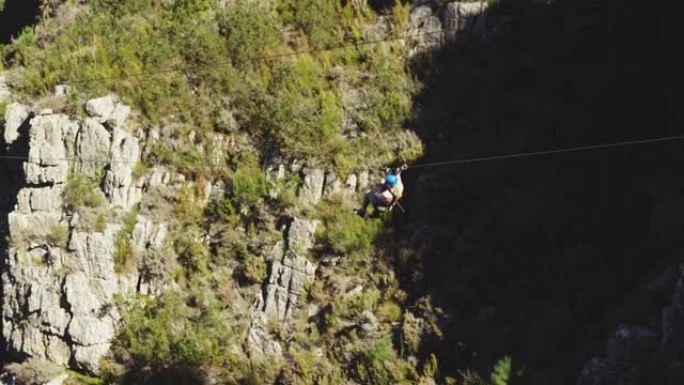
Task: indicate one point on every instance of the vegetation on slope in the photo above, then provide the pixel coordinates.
(229, 69)
(262, 75)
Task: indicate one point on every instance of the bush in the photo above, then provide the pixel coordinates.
(347, 233)
(317, 19)
(253, 268)
(124, 253)
(248, 185)
(169, 333)
(501, 373)
(81, 191)
(249, 33)
(379, 365)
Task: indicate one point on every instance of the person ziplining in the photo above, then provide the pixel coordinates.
(384, 196)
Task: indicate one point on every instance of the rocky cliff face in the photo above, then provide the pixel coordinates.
(638, 354)
(63, 274)
(59, 273)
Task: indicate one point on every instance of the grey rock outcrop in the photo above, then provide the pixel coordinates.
(15, 115)
(108, 110)
(311, 190)
(336, 188)
(425, 27)
(458, 17)
(5, 92)
(635, 352)
(433, 23)
(92, 143)
(59, 281)
(300, 235)
(286, 283)
(290, 273)
(48, 157)
(279, 300)
(119, 186)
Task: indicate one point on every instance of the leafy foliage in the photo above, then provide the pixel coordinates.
(81, 191)
(169, 332)
(379, 365)
(124, 254)
(347, 233)
(501, 373)
(194, 52)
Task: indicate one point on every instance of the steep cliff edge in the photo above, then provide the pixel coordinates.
(206, 234)
(60, 273)
(147, 244)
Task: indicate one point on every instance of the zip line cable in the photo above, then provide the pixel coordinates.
(546, 152)
(349, 45)
(424, 165)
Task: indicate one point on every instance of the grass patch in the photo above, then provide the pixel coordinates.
(58, 235)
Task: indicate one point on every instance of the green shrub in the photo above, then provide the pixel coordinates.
(317, 19)
(193, 252)
(390, 311)
(76, 378)
(253, 268)
(501, 374)
(347, 233)
(250, 33)
(169, 333)
(308, 368)
(124, 253)
(81, 191)
(248, 185)
(379, 365)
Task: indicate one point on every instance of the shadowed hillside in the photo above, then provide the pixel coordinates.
(15, 15)
(530, 257)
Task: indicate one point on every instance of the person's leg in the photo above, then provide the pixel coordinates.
(367, 199)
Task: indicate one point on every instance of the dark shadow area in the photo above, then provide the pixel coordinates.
(169, 376)
(17, 15)
(11, 181)
(536, 257)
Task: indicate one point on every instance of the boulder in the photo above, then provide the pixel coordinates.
(107, 110)
(368, 324)
(311, 191)
(338, 188)
(425, 27)
(459, 16)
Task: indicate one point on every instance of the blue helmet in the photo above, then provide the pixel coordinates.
(391, 180)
